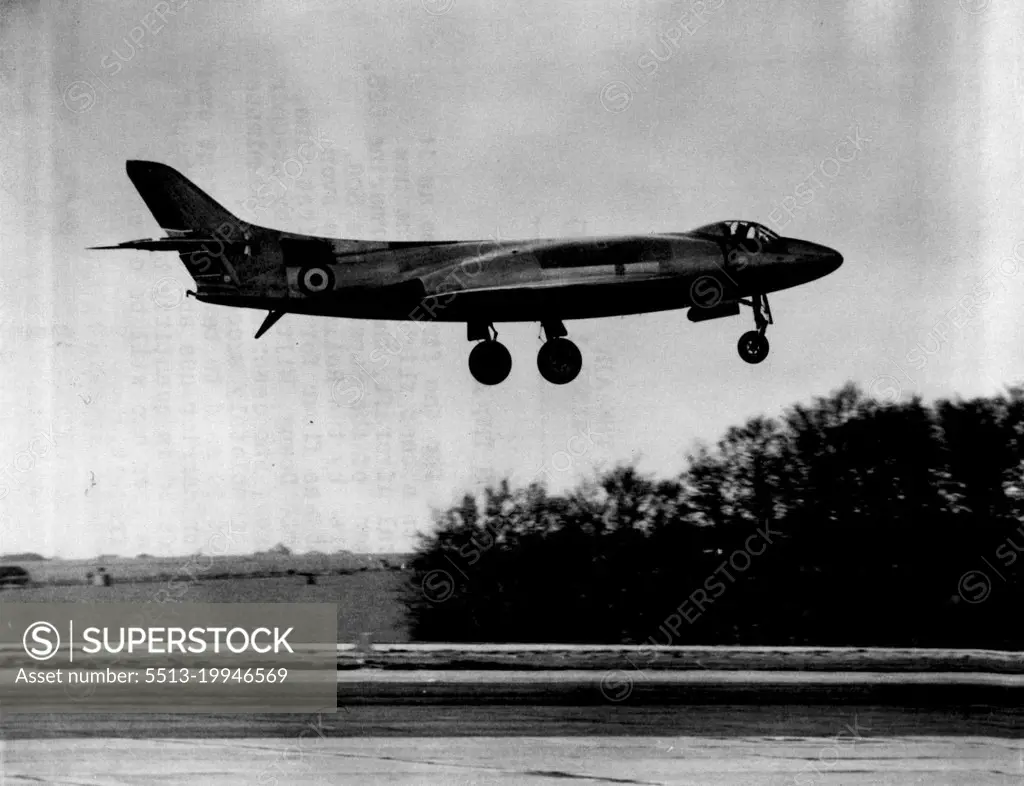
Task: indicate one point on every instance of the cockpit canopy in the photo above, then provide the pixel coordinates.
(742, 231)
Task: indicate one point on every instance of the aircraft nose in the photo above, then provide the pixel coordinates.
(830, 259)
(824, 259)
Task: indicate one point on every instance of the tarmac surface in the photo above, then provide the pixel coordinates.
(508, 728)
(516, 760)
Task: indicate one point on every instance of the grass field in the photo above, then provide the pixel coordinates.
(367, 601)
(199, 567)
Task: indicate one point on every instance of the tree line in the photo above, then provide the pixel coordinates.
(845, 521)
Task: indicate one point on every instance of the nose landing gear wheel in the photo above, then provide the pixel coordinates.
(559, 361)
(753, 347)
(490, 362)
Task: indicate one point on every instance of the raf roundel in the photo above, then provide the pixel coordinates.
(316, 281)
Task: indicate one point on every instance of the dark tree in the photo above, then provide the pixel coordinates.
(845, 522)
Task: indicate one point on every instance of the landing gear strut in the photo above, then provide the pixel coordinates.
(489, 362)
(559, 360)
(753, 346)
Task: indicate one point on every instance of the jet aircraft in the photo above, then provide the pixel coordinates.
(711, 270)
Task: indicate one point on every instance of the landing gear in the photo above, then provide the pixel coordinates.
(559, 360)
(489, 362)
(753, 346)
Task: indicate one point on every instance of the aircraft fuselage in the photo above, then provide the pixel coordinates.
(528, 281)
(711, 270)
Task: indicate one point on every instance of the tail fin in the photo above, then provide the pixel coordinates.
(214, 245)
(177, 203)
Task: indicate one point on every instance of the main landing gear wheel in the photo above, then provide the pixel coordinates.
(753, 347)
(489, 362)
(559, 360)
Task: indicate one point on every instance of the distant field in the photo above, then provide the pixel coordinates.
(367, 601)
(199, 567)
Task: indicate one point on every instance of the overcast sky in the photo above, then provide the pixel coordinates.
(132, 420)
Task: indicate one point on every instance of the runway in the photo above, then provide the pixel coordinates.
(373, 761)
(536, 728)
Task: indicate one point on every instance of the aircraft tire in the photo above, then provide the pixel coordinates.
(753, 347)
(559, 361)
(490, 362)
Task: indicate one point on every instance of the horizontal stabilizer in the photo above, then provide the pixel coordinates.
(179, 244)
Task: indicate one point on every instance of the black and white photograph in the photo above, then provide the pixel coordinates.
(468, 392)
